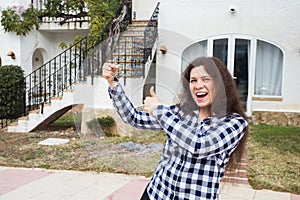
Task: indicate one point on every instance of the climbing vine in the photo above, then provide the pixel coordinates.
(20, 20)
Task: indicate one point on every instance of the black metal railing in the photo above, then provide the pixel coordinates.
(129, 55)
(150, 34)
(135, 47)
(57, 75)
(83, 60)
(73, 65)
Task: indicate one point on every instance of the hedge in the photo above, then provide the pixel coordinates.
(12, 92)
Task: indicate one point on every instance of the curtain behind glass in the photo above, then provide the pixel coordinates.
(268, 72)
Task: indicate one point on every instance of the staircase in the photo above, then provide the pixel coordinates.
(51, 88)
(52, 111)
(129, 51)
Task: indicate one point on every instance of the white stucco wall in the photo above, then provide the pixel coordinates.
(144, 8)
(24, 46)
(48, 41)
(183, 22)
(96, 95)
(9, 41)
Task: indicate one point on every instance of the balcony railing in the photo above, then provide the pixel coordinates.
(150, 33)
(78, 15)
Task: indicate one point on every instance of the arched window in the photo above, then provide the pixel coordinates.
(242, 54)
(195, 50)
(268, 70)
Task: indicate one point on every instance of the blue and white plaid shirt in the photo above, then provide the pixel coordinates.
(195, 153)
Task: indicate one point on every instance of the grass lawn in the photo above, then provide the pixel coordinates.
(274, 158)
(273, 153)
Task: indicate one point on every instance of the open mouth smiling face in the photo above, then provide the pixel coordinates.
(201, 86)
(201, 95)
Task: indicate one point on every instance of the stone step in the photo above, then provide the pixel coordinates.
(118, 57)
(138, 36)
(34, 111)
(36, 118)
(23, 118)
(136, 28)
(13, 124)
(131, 45)
(133, 33)
(129, 62)
(139, 22)
(127, 54)
(138, 40)
(131, 73)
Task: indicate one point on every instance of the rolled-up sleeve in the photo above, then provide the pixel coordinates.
(129, 113)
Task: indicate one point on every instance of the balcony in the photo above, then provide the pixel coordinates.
(61, 19)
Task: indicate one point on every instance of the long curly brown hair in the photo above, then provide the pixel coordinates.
(225, 100)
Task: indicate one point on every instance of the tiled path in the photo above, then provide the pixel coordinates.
(36, 184)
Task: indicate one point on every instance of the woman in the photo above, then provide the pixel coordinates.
(202, 132)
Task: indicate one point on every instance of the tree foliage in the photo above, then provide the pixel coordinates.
(19, 20)
(100, 13)
(66, 9)
(55, 8)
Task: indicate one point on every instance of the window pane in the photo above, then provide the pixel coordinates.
(220, 49)
(194, 51)
(241, 62)
(268, 71)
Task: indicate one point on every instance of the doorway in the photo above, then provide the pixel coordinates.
(240, 72)
(235, 52)
(236, 57)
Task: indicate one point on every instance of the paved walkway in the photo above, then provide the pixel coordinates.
(39, 184)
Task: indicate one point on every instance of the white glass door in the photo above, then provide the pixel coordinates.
(241, 65)
(235, 53)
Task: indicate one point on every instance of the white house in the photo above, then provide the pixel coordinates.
(38, 46)
(258, 40)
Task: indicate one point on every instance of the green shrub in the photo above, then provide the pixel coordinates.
(12, 92)
(93, 124)
(107, 124)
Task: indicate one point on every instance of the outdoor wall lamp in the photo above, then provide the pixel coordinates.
(11, 54)
(163, 49)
